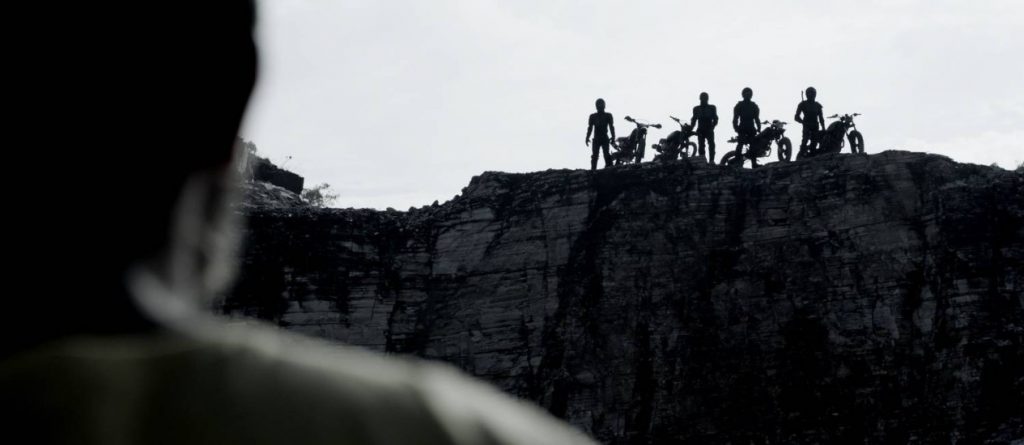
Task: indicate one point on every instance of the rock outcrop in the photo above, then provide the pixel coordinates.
(262, 170)
(258, 195)
(844, 299)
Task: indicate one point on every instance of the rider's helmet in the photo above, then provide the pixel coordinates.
(748, 93)
(703, 98)
(599, 104)
(811, 93)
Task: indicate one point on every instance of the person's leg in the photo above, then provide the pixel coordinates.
(593, 155)
(607, 154)
(740, 140)
(746, 139)
(711, 147)
(700, 143)
(805, 143)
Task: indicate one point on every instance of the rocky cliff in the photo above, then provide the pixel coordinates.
(845, 299)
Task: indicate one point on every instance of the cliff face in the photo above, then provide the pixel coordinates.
(842, 299)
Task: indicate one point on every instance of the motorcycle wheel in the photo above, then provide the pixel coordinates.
(728, 158)
(785, 150)
(856, 142)
(689, 150)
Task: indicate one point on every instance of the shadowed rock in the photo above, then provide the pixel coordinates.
(840, 299)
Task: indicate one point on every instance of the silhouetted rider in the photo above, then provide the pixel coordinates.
(809, 113)
(600, 123)
(705, 118)
(746, 120)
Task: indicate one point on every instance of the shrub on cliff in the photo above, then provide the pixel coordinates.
(319, 195)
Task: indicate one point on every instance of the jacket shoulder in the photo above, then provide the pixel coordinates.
(315, 391)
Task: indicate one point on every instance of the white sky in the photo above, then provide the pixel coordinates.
(399, 103)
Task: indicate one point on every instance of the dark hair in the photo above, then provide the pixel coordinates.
(158, 97)
(183, 116)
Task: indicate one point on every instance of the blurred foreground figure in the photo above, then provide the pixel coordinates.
(118, 348)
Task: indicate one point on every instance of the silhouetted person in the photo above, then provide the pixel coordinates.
(119, 347)
(746, 120)
(705, 117)
(600, 123)
(809, 113)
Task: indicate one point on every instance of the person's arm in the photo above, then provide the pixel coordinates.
(590, 127)
(821, 116)
(693, 120)
(611, 126)
(714, 117)
(736, 118)
(796, 116)
(757, 117)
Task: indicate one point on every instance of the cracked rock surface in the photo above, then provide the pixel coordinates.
(844, 299)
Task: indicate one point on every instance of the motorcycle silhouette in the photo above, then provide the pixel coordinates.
(761, 145)
(834, 138)
(631, 148)
(677, 144)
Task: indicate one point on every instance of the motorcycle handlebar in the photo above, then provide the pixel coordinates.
(641, 124)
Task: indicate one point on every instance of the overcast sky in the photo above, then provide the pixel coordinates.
(400, 103)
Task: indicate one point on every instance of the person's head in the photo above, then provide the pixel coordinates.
(748, 93)
(145, 171)
(703, 98)
(599, 104)
(192, 116)
(811, 93)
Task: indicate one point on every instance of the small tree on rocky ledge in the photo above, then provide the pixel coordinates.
(319, 195)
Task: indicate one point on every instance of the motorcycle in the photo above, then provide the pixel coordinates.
(834, 138)
(677, 144)
(761, 146)
(631, 148)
